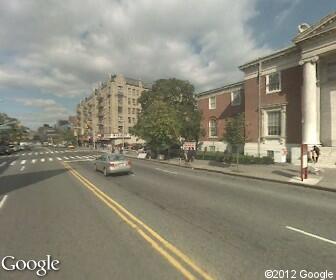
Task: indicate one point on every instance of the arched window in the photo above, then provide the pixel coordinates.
(213, 128)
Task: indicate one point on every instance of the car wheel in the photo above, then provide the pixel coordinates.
(105, 172)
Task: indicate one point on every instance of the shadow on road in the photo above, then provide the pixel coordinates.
(283, 173)
(13, 182)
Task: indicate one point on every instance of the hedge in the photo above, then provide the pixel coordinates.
(232, 158)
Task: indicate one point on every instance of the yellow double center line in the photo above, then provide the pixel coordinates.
(173, 255)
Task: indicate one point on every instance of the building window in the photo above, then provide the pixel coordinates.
(274, 123)
(133, 110)
(129, 101)
(133, 120)
(129, 120)
(273, 82)
(212, 102)
(212, 128)
(129, 111)
(134, 102)
(236, 98)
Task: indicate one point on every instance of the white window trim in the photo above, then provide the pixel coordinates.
(213, 136)
(214, 96)
(266, 123)
(232, 93)
(267, 83)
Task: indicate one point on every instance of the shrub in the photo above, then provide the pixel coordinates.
(231, 158)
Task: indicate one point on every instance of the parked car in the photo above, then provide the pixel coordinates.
(4, 150)
(112, 164)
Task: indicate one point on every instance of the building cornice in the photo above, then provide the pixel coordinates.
(282, 52)
(217, 90)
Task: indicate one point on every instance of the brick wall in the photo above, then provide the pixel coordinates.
(291, 81)
(223, 111)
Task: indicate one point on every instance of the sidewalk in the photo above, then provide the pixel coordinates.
(287, 173)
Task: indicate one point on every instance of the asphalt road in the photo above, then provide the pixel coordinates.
(161, 222)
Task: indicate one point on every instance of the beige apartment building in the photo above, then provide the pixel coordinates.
(108, 113)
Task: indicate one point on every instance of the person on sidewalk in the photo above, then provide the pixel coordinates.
(189, 155)
(193, 154)
(315, 153)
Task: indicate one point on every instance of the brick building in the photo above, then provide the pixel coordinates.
(289, 96)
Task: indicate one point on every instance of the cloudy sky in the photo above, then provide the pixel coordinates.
(52, 53)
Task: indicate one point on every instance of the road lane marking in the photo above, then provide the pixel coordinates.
(42, 159)
(23, 162)
(167, 171)
(2, 201)
(59, 158)
(65, 157)
(13, 163)
(312, 235)
(22, 168)
(162, 246)
(3, 163)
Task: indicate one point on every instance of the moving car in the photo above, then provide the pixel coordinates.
(112, 164)
(4, 150)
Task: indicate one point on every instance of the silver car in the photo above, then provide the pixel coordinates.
(112, 163)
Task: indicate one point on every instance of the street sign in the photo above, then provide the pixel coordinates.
(187, 145)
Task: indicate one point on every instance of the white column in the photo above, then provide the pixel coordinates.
(309, 103)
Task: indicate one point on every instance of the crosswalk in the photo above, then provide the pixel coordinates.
(23, 163)
(40, 153)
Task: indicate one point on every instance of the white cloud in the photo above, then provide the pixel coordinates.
(43, 111)
(63, 48)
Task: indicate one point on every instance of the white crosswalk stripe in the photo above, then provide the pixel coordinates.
(13, 163)
(30, 154)
(78, 157)
(50, 159)
(65, 157)
(42, 160)
(33, 161)
(72, 157)
(23, 162)
(36, 153)
(41, 153)
(59, 158)
(3, 163)
(51, 152)
(23, 154)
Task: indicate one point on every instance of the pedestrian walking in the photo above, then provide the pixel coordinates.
(189, 155)
(315, 153)
(193, 154)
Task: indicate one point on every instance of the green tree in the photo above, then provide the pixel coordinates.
(175, 98)
(159, 126)
(235, 133)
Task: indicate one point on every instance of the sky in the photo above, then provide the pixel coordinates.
(53, 53)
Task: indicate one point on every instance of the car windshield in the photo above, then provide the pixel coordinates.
(116, 157)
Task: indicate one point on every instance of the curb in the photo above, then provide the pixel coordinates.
(316, 187)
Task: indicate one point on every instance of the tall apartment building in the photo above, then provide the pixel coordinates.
(109, 112)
